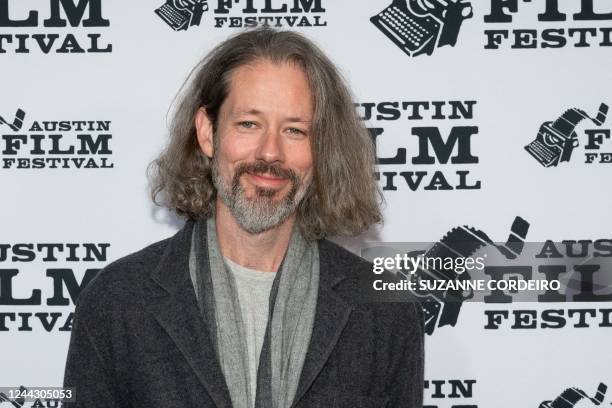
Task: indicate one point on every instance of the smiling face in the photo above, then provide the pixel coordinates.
(261, 152)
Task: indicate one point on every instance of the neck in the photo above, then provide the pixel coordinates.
(263, 251)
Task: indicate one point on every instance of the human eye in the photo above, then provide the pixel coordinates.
(296, 131)
(246, 124)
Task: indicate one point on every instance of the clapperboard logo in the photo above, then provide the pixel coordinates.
(182, 14)
(556, 140)
(420, 26)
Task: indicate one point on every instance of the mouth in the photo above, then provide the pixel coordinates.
(267, 180)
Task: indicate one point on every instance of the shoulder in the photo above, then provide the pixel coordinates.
(339, 257)
(131, 267)
(119, 282)
(396, 313)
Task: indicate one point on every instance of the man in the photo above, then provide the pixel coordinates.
(249, 305)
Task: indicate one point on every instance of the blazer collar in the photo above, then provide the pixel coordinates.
(173, 267)
(173, 270)
(173, 303)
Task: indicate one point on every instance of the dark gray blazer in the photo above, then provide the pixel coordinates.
(138, 339)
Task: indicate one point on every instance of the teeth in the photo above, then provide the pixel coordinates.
(270, 176)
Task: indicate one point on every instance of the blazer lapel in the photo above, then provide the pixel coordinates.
(331, 316)
(173, 303)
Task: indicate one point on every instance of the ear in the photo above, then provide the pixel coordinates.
(204, 132)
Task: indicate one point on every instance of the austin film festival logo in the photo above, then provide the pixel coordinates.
(555, 24)
(62, 284)
(437, 158)
(54, 144)
(556, 140)
(73, 26)
(584, 264)
(183, 14)
(420, 26)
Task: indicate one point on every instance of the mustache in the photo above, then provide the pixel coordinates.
(262, 168)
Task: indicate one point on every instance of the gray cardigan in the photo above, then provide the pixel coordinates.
(138, 339)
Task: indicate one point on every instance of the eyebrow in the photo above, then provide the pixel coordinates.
(258, 112)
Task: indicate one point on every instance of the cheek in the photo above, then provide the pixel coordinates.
(302, 159)
(230, 151)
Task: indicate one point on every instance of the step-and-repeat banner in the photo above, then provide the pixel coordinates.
(489, 118)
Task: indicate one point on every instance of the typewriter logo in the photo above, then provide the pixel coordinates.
(442, 308)
(17, 123)
(571, 397)
(556, 140)
(182, 14)
(420, 26)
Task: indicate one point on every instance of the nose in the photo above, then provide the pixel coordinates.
(270, 148)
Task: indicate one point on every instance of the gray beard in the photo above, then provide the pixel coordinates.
(260, 213)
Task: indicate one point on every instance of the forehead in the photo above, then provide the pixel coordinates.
(269, 87)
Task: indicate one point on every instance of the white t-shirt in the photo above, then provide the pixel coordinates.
(253, 289)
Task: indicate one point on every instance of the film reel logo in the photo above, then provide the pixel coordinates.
(182, 14)
(571, 397)
(17, 123)
(13, 403)
(441, 308)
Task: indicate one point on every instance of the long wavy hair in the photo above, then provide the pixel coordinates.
(344, 198)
